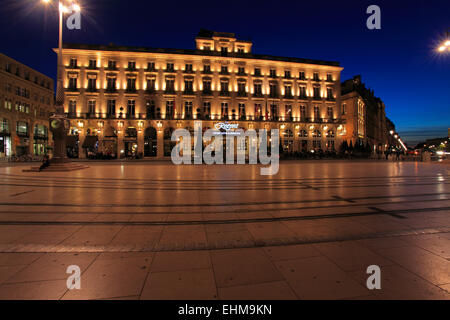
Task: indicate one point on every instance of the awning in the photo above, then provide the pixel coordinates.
(90, 141)
(71, 141)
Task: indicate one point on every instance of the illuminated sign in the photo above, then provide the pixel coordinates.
(226, 126)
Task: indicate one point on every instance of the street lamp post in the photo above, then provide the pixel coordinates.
(59, 124)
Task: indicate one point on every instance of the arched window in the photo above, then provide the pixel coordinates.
(303, 134)
(330, 134)
(317, 134)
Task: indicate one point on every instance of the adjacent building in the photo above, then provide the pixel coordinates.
(364, 115)
(128, 100)
(26, 100)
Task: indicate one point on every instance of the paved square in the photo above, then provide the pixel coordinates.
(152, 230)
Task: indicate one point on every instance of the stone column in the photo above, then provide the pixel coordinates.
(160, 141)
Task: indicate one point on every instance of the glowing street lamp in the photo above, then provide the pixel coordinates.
(445, 45)
(58, 121)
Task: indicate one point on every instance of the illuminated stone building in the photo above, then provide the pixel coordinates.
(123, 100)
(26, 100)
(364, 115)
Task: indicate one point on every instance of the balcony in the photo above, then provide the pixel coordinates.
(91, 68)
(111, 68)
(225, 73)
(150, 90)
(170, 70)
(273, 95)
(288, 96)
(72, 89)
(224, 93)
(331, 99)
(153, 69)
(207, 72)
(242, 74)
(241, 94)
(207, 92)
(92, 90)
(303, 96)
(110, 90)
(131, 69)
(130, 90)
(72, 67)
(258, 95)
(188, 92)
(188, 116)
(169, 91)
(317, 97)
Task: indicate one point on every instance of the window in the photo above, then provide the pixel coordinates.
(274, 111)
(241, 88)
(131, 84)
(91, 106)
(22, 128)
(73, 63)
(169, 67)
(188, 86)
(206, 108)
(257, 72)
(344, 108)
(330, 94)
(151, 85)
(188, 109)
(303, 92)
(302, 112)
(224, 87)
(92, 84)
(111, 84)
(287, 91)
(240, 50)
(258, 111)
(73, 107)
(207, 47)
(169, 109)
(224, 69)
(287, 74)
(329, 77)
(131, 65)
(188, 67)
(72, 83)
(301, 75)
(224, 50)
(224, 110)
(316, 76)
(111, 107)
(150, 109)
(241, 70)
(242, 110)
(273, 73)
(150, 66)
(131, 105)
(112, 64)
(207, 86)
(316, 113)
(330, 113)
(288, 111)
(273, 90)
(303, 134)
(317, 134)
(257, 89)
(92, 64)
(206, 68)
(170, 85)
(316, 91)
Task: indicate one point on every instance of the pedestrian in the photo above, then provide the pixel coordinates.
(45, 163)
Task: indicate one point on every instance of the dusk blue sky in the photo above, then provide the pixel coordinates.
(399, 62)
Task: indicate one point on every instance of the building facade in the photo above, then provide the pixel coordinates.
(125, 100)
(364, 115)
(26, 101)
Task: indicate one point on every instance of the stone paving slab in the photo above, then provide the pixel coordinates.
(224, 232)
